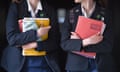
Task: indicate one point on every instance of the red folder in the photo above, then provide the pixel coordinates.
(86, 54)
(87, 27)
(20, 24)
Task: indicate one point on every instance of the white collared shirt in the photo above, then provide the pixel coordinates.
(90, 12)
(33, 13)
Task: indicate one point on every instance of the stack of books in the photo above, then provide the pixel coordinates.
(27, 24)
(85, 28)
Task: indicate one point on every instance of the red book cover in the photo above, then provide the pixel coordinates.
(87, 27)
(20, 24)
(86, 54)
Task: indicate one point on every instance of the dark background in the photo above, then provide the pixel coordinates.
(113, 6)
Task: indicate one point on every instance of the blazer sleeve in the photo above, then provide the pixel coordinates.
(52, 44)
(107, 44)
(14, 36)
(68, 44)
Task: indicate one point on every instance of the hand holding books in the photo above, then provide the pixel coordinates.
(39, 24)
(42, 27)
(85, 42)
(90, 32)
(30, 45)
(94, 39)
(42, 32)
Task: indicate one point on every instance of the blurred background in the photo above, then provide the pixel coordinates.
(61, 7)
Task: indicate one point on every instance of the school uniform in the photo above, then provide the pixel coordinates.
(77, 63)
(13, 60)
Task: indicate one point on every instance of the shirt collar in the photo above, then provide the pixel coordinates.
(39, 7)
(90, 12)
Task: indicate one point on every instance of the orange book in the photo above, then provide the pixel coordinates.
(87, 27)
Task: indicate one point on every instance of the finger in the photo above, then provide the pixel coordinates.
(99, 33)
(49, 27)
(73, 33)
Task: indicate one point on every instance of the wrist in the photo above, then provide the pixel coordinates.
(85, 42)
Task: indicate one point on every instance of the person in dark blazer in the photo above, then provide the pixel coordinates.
(12, 59)
(100, 44)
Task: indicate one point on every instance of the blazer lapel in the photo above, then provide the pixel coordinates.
(25, 9)
(77, 12)
(98, 13)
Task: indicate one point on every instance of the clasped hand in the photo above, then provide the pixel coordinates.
(40, 32)
(94, 39)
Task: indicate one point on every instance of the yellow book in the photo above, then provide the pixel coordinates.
(33, 52)
(43, 22)
(34, 23)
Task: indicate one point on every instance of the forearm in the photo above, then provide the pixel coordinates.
(19, 39)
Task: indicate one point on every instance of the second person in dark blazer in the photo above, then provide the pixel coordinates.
(100, 44)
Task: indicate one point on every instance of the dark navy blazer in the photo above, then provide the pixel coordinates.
(12, 58)
(103, 49)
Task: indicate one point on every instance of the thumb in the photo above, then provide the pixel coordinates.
(98, 33)
(48, 27)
